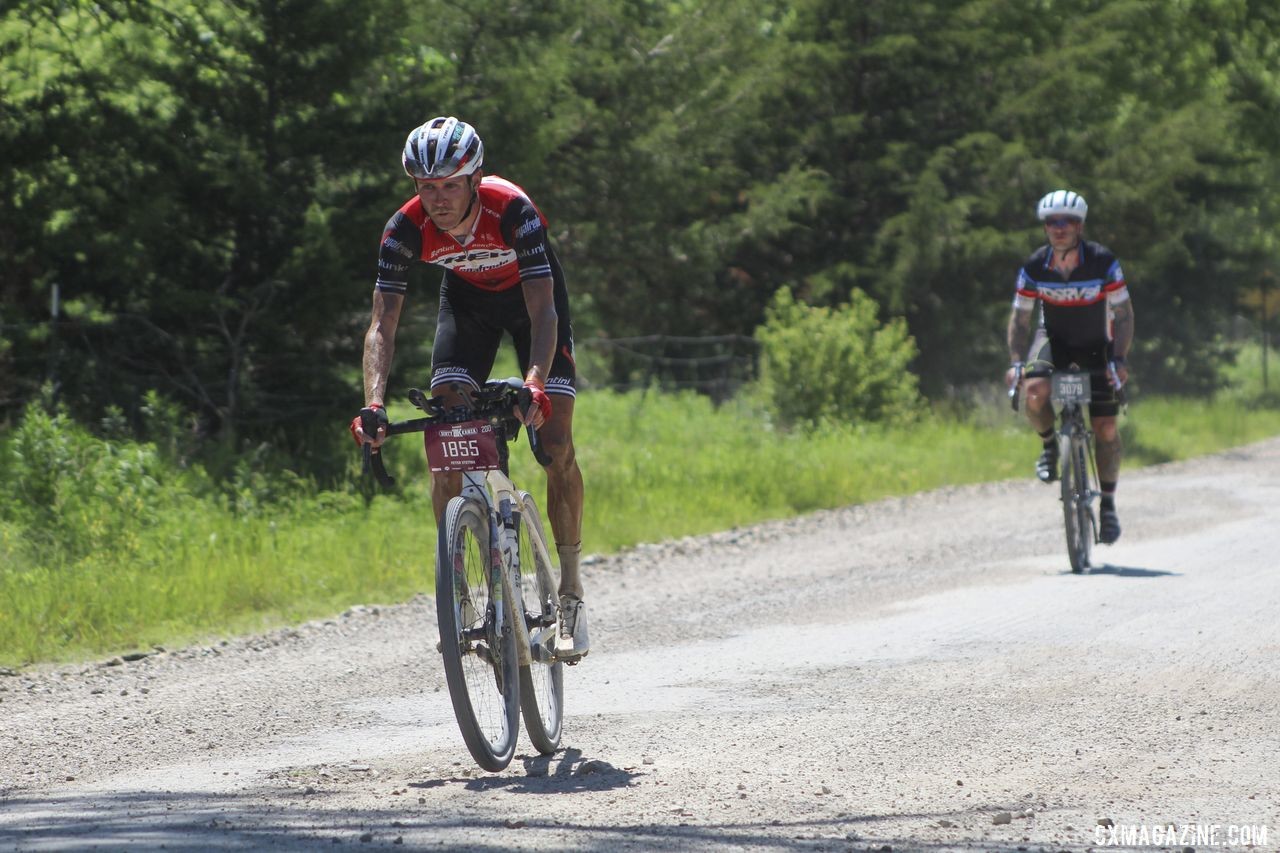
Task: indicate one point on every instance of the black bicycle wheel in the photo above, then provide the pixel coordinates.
(541, 681)
(477, 638)
(1085, 492)
(1074, 487)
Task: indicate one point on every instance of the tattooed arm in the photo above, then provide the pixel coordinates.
(1019, 334)
(1122, 335)
(1122, 327)
(380, 345)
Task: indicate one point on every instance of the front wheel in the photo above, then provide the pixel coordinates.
(477, 636)
(541, 681)
(1077, 517)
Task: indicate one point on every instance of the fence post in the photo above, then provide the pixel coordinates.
(55, 308)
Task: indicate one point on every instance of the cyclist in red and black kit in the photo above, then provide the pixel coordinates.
(1086, 318)
(500, 276)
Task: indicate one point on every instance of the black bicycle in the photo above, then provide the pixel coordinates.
(1070, 391)
(496, 588)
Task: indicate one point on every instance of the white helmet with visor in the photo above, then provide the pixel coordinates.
(1063, 203)
(442, 148)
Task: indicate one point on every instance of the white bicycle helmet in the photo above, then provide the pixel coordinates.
(1063, 203)
(442, 148)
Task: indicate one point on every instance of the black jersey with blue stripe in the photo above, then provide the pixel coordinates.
(1074, 307)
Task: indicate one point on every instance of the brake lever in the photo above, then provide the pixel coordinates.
(1014, 388)
(524, 399)
(1121, 397)
(535, 444)
(369, 422)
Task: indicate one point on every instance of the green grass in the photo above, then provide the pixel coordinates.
(656, 466)
(1171, 428)
(659, 467)
(203, 572)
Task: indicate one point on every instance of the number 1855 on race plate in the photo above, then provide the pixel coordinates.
(468, 446)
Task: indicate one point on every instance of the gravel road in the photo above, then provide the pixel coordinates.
(921, 674)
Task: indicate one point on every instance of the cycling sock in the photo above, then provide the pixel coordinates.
(1108, 494)
(570, 574)
(1046, 436)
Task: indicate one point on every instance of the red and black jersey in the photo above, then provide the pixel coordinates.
(508, 242)
(1074, 308)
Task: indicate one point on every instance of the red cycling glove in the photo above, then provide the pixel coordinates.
(356, 421)
(540, 399)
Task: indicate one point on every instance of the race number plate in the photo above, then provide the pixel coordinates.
(469, 446)
(1071, 387)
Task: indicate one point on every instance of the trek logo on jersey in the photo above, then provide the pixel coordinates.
(477, 260)
(1069, 295)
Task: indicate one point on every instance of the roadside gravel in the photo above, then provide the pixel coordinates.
(917, 674)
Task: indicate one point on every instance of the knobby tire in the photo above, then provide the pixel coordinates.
(541, 684)
(479, 651)
(1075, 498)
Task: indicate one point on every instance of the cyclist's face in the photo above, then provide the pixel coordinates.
(446, 199)
(1063, 231)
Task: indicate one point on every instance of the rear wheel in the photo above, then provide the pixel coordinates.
(541, 682)
(1077, 518)
(477, 637)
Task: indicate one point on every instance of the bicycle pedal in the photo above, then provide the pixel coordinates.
(568, 657)
(540, 649)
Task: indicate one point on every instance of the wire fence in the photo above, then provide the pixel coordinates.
(714, 365)
(717, 366)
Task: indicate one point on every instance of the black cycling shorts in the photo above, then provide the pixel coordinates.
(1048, 355)
(472, 321)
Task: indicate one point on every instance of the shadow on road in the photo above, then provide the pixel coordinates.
(1129, 572)
(563, 773)
(199, 821)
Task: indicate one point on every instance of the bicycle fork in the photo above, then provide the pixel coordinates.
(1072, 435)
(506, 525)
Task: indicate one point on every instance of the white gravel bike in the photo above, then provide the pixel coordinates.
(496, 588)
(1070, 391)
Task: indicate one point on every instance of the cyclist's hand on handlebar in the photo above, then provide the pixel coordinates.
(538, 412)
(1013, 381)
(1119, 374)
(1014, 374)
(370, 426)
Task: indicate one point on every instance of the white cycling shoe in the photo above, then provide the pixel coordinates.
(572, 642)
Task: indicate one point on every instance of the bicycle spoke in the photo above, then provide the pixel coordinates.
(478, 650)
(541, 683)
(1074, 485)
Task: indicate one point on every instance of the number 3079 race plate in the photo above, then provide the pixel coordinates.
(469, 446)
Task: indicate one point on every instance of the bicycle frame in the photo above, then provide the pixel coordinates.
(1073, 428)
(1070, 392)
(501, 499)
(1079, 473)
(497, 663)
(500, 496)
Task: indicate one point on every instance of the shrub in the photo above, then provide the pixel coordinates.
(839, 365)
(73, 493)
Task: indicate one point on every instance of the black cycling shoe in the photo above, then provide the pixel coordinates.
(1108, 525)
(1047, 464)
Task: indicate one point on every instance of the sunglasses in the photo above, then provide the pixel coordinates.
(1061, 222)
